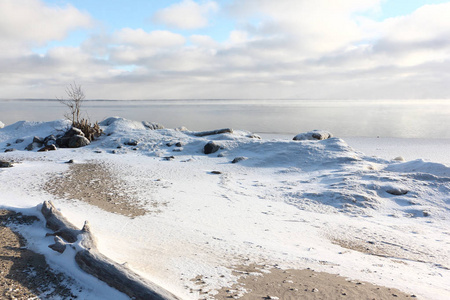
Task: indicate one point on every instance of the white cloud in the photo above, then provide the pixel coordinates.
(429, 22)
(312, 27)
(283, 48)
(133, 45)
(413, 39)
(153, 39)
(187, 14)
(203, 41)
(31, 23)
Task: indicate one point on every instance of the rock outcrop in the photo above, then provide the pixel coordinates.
(313, 135)
(47, 148)
(238, 159)
(78, 141)
(73, 138)
(152, 125)
(5, 164)
(212, 132)
(211, 147)
(39, 142)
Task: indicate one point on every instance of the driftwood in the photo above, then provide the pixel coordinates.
(90, 260)
(212, 132)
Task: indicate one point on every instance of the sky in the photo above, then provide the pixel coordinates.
(226, 49)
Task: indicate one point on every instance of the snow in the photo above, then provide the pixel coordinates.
(313, 135)
(434, 150)
(289, 203)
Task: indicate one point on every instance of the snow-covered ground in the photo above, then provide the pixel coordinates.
(299, 204)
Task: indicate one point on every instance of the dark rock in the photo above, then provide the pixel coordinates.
(8, 144)
(5, 164)
(18, 141)
(177, 150)
(78, 141)
(63, 142)
(397, 191)
(10, 150)
(50, 140)
(38, 140)
(238, 159)
(211, 147)
(131, 142)
(74, 131)
(70, 161)
(216, 172)
(179, 144)
(67, 138)
(47, 148)
(169, 157)
(253, 136)
(213, 132)
(33, 146)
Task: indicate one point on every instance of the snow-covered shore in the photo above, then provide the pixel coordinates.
(298, 204)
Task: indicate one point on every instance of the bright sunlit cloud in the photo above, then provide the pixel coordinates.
(274, 49)
(30, 23)
(187, 14)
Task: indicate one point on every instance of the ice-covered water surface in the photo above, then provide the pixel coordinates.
(317, 204)
(345, 118)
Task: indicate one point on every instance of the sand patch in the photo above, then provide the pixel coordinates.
(397, 252)
(23, 273)
(96, 184)
(260, 282)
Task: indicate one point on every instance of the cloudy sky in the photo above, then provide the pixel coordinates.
(246, 49)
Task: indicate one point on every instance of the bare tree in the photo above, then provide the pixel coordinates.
(76, 98)
(74, 103)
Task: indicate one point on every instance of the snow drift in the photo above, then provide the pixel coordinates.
(295, 203)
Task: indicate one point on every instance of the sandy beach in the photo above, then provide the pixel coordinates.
(224, 149)
(26, 275)
(306, 219)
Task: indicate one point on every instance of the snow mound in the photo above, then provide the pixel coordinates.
(421, 166)
(313, 135)
(117, 124)
(2, 125)
(152, 125)
(206, 212)
(26, 130)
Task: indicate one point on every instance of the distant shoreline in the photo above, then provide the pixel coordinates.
(343, 118)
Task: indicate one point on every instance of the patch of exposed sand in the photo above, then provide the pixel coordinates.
(260, 282)
(95, 184)
(23, 273)
(396, 251)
